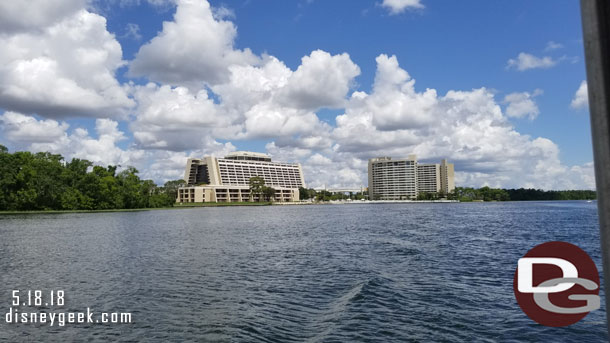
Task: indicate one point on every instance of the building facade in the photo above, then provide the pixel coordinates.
(447, 177)
(393, 179)
(404, 179)
(429, 178)
(227, 179)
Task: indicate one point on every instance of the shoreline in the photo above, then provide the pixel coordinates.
(239, 204)
(177, 207)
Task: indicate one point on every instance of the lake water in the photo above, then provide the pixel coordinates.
(328, 273)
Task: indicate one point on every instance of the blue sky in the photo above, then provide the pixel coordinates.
(448, 46)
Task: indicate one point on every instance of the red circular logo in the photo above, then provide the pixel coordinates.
(556, 284)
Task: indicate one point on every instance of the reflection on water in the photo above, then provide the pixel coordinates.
(381, 272)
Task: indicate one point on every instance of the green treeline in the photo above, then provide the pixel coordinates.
(464, 194)
(44, 181)
(322, 195)
(498, 194)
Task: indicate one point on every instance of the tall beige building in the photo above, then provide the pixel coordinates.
(428, 178)
(447, 177)
(403, 179)
(393, 179)
(212, 179)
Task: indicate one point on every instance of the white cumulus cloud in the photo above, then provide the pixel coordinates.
(256, 102)
(132, 31)
(21, 128)
(550, 46)
(322, 80)
(581, 97)
(194, 50)
(175, 118)
(34, 15)
(399, 6)
(522, 104)
(64, 69)
(54, 137)
(525, 61)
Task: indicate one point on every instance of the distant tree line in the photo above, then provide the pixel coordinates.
(521, 194)
(324, 195)
(44, 181)
(464, 194)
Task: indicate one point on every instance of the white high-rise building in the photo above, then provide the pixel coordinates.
(403, 179)
(212, 179)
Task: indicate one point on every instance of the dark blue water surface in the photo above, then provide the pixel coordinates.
(328, 273)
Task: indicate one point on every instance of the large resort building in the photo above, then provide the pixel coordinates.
(405, 179)
(227, 179)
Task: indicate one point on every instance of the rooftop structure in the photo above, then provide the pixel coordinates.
(248, 156)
